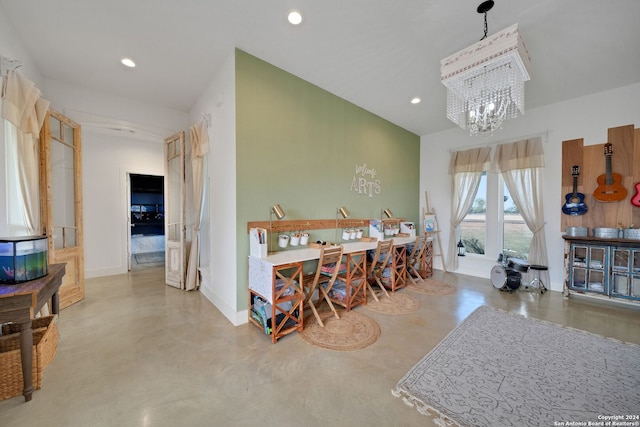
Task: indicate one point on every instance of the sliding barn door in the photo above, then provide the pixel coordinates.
(61, 201)
(175, 252)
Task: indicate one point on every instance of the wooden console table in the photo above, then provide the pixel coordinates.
(19, 303)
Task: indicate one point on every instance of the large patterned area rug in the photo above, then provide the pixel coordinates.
(502, 369)
(432, 287)
(353, 331)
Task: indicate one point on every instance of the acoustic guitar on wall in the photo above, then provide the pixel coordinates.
(574, 201)
(610, 187)
(635, 200)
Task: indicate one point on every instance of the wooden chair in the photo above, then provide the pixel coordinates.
(377, 266)
(354, 277)
(415, 259)
(323, 280)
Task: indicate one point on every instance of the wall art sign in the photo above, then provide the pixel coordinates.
(364, 181)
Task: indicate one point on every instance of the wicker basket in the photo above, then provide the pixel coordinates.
(45, 345)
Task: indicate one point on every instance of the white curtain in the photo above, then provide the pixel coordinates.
(521, 164)
(22, 181)
(23, 107)
(465, 168)
(199, 149)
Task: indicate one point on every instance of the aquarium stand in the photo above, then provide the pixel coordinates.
(19, 303)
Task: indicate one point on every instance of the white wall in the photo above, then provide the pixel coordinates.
(106, 162)
(588, 117)
(218, 230)
(108, 156)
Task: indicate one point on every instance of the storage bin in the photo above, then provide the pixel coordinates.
(631, 233)
(45, 345)
(606, 233)
(577, 231)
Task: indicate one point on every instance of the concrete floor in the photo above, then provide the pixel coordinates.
(138, 353)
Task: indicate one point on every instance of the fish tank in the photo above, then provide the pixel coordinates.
(23, 258)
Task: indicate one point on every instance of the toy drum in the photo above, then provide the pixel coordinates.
(505, 279)
(518, 264)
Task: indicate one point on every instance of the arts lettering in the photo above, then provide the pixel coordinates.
(363, 186)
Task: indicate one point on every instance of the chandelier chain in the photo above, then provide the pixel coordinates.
(486, 27)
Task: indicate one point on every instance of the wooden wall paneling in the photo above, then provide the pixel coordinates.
(621, 139)
(625, 160)
(309, 224)
(572, 155)
(635, 211)
(594, 166)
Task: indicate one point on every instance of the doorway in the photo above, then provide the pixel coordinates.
(147, 221)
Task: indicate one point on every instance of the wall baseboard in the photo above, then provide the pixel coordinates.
(89, 274)
(237, 318)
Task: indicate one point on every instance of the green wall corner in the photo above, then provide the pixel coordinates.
(312, 152)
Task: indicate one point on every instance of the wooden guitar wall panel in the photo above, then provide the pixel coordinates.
(622, 159)
(625, 160)
(572, 155)
(594, 167)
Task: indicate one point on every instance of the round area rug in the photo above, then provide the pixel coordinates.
(395, 303)
(353, 331)
(432, 287)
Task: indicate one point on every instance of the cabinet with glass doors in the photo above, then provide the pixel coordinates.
(603, 268)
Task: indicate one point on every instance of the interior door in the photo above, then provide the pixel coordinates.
(61, 201)
(175, 253)
(129, 224)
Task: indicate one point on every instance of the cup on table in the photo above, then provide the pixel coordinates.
(304, 239)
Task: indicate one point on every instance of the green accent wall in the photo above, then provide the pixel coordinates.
(299, 145)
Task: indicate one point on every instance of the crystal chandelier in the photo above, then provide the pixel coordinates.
(485, 82)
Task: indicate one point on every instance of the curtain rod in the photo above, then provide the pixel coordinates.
(8, 64)
(544, 135)
(207, 119)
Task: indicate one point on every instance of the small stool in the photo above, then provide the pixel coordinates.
(537, 282)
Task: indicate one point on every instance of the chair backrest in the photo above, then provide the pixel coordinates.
(330, 259)
(418, 249)
(383, 253)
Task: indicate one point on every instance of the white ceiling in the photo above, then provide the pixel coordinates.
(377, 54)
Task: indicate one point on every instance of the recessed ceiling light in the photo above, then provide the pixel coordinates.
(416, 100)
(127, 62)
(295, 17)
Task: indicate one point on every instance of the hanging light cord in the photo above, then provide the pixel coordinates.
(486, 27)
(485, 7)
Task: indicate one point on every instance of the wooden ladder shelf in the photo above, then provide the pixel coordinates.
(428, 212)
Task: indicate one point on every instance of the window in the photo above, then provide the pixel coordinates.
(473, 226)
(493, 225)
(517, 237)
